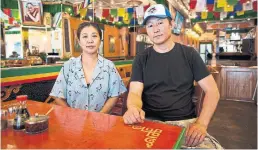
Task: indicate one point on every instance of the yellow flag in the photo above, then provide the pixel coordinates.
(126, 16)
(204, 15)
(239, 13)
(121, 12)
(228, 8)
(221, 3)
(127, 21)
(83, 12)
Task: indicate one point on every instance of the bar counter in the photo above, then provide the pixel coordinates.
(74, 128)
(30, 74)
(29, 80)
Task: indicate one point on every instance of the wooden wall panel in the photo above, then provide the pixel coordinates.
(111, 31)
(124, 37)
(133, 43)
(73, 26)
(237, 83)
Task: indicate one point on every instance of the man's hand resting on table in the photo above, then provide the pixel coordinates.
(134, 115)
(195, 134)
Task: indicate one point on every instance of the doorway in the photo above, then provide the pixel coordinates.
(206, 52)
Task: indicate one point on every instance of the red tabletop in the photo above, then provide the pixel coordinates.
(74, 128)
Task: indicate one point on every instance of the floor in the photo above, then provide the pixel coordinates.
(234, 125)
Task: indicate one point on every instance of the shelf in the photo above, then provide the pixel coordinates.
(58, 3)
(36, 27)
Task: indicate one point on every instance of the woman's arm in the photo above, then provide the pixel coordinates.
(116, 88)
(58, 91)
(61, 102)
(109, 105)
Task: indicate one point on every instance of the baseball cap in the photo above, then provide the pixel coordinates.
(157, 10)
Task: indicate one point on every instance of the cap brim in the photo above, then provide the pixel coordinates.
(157, 16)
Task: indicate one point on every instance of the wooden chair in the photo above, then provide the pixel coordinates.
(120, 107)
(199, 102)
(50, 99)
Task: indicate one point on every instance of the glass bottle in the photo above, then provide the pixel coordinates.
(3, 119)
(19, 120)
(25, 111)
(22, 114)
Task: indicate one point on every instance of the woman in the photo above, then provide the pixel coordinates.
(88, 82)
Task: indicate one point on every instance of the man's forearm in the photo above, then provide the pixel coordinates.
(208, 107)
(109, 105)
(134, 100)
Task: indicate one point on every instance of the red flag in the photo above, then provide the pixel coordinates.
(110, 18)
(210, 7)
(75, 10)
(11, 19)
(105, 13)
(216, 14)
(192, 4)
(255, 5)
(7, 11)
(146, 7)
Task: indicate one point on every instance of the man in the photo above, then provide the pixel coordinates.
(162, 82)
(32, 13)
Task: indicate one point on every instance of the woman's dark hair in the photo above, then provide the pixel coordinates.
(88, 24)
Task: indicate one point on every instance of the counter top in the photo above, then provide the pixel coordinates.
(21, 75)
(254, 67)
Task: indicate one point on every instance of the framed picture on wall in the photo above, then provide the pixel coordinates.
(179, 21)
(31, 12)
(111, 44)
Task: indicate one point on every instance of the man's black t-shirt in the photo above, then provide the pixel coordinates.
(168, 81)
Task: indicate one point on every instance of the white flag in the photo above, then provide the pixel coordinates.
(98, 13)
(200, 6)
(140, 19)
(223, 15)
(248, 6)
(140, 11)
